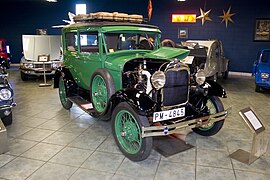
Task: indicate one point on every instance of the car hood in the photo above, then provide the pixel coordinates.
(117, 60)
(264, 67)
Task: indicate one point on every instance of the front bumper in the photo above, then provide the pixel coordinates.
(38, 72)
(264, 85)
(177, 127)
(5, 110)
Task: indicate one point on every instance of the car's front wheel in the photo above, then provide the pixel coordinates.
(66, 103)
(126, 126)
(214, 106)
(7, 120)
(24, 76)
(258, 88)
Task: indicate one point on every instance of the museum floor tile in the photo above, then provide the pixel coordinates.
(48, 142)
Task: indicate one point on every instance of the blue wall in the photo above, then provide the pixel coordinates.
(25, 16)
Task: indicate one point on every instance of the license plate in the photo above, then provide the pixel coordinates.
(169, 114)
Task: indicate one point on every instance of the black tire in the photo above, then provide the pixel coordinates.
(24, 76)
(168, 43)
(214, 77)
(62, 91)
(7, 120)
(146, 44)
(137, 122)
(105, 113)
(225, 74)
(214, 128)
(258, 88)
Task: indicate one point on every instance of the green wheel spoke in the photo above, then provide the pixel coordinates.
(62, 91)
(127, 132)
(99, 93)
(212, 110)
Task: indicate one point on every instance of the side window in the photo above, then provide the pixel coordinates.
(89, 42)
(265, 56)
(71, 41)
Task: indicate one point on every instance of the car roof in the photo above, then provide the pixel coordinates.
(104, 24)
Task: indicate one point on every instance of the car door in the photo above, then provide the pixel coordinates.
(71, 52)
(89, 58)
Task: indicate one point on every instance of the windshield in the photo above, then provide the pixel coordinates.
(266, 56)
(130, 41)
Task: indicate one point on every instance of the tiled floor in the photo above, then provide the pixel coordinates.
(48, 142)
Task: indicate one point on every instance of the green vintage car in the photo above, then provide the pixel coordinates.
(115, 69)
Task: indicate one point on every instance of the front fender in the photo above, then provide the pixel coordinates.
(215, 89)
(138, 100)
(58, 73)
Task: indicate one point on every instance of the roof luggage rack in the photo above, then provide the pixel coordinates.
(107, 16)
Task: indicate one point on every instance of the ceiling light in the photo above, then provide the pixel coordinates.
(51, 0)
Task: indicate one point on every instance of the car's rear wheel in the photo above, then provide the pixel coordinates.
(66, 103)
(102, 88)
(225, 74)
(127, 125)
(7, 120)
(214, 106)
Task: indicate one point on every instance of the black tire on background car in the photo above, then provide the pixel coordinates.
(214, 105)
(7, 120)
(225, 74)
(258, 88)
(213, 77)
(24, 76)
(101, 89)
(168, 43)
(66, 103)
(126, 127)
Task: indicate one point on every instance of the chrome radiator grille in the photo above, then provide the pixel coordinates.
(175, 91)
(47, 66)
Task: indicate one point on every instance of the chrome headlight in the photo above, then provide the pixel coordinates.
(5, 94)
(264, 75)
(158, 80)
(54, 65)
(200, 77)
(28, 65)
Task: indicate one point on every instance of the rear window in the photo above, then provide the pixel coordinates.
(266, 56)
(71, 41)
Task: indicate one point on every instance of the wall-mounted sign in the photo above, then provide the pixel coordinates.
(183, 33)
(187, 18)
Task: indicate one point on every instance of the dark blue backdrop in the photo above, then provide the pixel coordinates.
(25, 16)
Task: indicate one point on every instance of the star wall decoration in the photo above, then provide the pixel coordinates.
(227, 17)
(204, 16)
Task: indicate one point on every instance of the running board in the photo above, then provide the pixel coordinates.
(85, 105)
(178, 127)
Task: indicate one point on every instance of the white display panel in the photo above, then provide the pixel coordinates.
(252, 120)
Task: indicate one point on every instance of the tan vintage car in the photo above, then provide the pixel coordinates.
(206, 54)
(215, 61)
